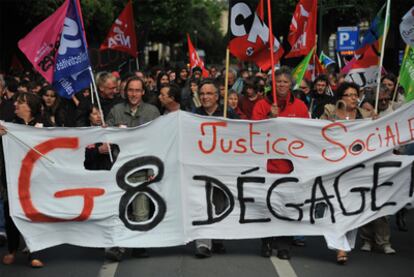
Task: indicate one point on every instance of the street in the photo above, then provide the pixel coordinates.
(242, 259)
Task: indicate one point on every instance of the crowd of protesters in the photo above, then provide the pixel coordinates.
(138, 97)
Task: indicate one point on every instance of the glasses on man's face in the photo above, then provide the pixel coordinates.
(384, 99)
(303, 88)
(208, 94)
(354, 95)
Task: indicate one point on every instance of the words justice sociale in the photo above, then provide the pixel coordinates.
(214, 140)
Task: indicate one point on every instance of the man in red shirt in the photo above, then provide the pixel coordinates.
(249, 99)
(287, 106)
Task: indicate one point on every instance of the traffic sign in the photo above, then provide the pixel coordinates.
(347, 38)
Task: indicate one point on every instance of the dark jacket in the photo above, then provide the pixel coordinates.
(218, 112)
(318, 103)
(97, 161)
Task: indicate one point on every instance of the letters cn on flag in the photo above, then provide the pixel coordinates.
(122, 36)
(302, 31)
(57, 49)
(195, 59)
(249, 35)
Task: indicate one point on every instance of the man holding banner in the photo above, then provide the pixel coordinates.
(288, 106)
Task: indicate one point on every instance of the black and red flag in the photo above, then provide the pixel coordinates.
(249, 35)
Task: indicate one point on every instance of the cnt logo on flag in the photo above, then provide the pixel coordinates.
(250, 36)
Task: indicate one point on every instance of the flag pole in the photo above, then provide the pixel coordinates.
(387, 15)
(28, 146)
(398, 80)
(91, 88)
(338, 57)
(137, 61)
(100, 111)
(226, 82)
(272, 58)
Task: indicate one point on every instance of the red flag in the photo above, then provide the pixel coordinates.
(302, 34)
(121, 36)
(41, 45)
(363, 69)
(315, 68)
(250, 35)
(194, 59)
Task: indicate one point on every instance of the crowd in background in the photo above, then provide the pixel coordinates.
(132, 99)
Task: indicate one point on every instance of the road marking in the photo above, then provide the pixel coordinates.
(283, 267)
(108, 269)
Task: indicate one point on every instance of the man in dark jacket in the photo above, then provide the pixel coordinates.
(320, 96)
(209, 98)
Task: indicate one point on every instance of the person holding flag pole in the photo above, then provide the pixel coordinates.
(405, 78)
(386, 25)
(283, 104)
(66, 66)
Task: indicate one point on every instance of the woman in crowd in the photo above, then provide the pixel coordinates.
(191, 100)
(233, 102)
(52, 113)
(97, 155)
(28, 112)
(390, 81)
(346, 108)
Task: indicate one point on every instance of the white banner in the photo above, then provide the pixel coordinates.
(344, 175)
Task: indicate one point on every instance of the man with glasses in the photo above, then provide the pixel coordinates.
(209, 98)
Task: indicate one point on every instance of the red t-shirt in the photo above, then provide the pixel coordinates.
(293, 109)
(297, 108)
(247, 105)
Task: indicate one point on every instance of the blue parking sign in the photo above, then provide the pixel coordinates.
(347, 38)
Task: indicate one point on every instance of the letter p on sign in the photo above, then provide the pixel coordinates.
(343, 37)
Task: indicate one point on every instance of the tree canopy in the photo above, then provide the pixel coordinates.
(168, 21)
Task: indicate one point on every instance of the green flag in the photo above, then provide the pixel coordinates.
(407, 74)
(300, 70)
